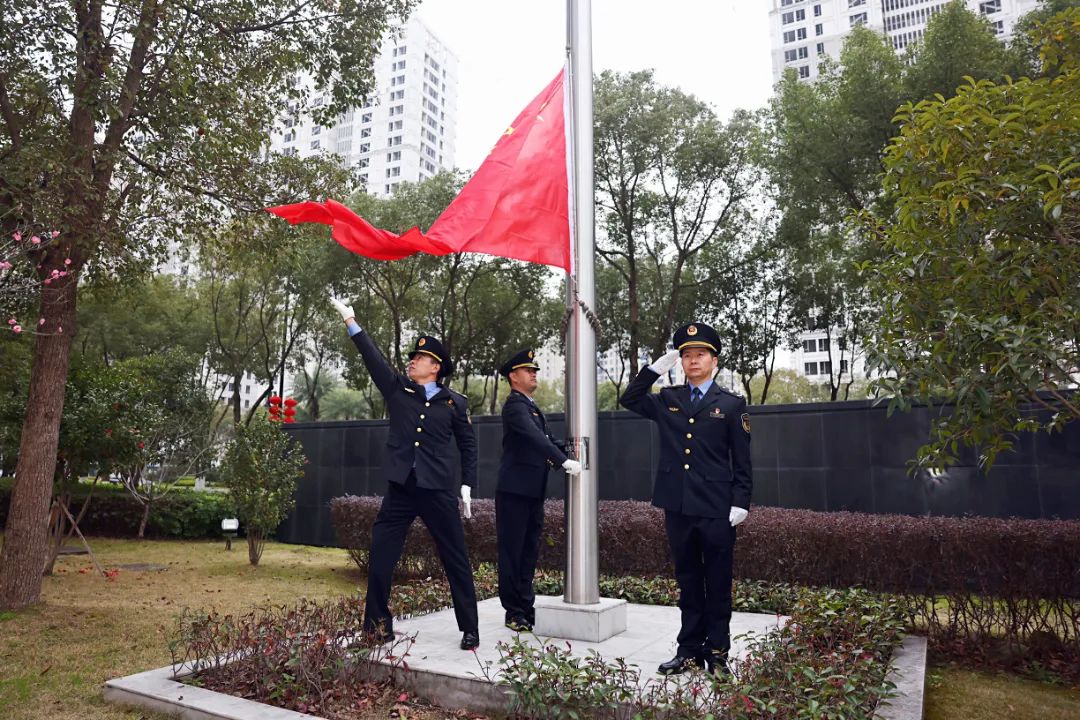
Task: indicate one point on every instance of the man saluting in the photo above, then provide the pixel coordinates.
(424, 418)
(529, 453)
(703, 483)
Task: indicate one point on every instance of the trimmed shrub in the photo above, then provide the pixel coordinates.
(114, 513)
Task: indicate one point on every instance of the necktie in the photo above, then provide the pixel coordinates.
(695, 395)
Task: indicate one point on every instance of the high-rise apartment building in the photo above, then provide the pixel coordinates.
(804, 31)
(406, 130)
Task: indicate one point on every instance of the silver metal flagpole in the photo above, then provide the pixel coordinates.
(582, 550)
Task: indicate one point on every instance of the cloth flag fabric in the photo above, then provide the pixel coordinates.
(515, 206)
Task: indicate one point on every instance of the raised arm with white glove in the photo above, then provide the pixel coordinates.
(347, 313)
(737, 515)
(665, 362)
(572, 467)
(466, 501)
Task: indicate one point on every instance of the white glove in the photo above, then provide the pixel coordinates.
(665, 362)
(466, 500)
(572, 467)
(346, 311)
(737, 515)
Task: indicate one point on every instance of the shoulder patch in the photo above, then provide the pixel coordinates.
(746, 422)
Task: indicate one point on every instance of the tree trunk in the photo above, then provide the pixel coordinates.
(143, 521)
(256, 540)
(26, 545)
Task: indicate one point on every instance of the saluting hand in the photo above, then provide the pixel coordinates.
(347, 313)
(665, 362)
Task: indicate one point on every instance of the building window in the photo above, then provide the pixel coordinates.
(789, 56)
(399, 50)
(843, 366)
(396, 140)
(393, 172)
(825, 367)
(800, 33)
(787, 18)
(817, 11)
(366, 117)
(821, 48)
(804, 52)
(396, 125)
(855, 3)
(314, 144)
(999, 27)
(315, 130)
(819, 30)
(365, 132)
(289, 136)
(859, 19)
(789, 36)
(397, 95)
(364, 147)
(391, 157)
(809, 345)
(364, 162)
(810, 368)
(989, 7)
(804, 71)
(800, 15)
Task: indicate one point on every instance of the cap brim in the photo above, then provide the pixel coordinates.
(697, 343)
(414, 353)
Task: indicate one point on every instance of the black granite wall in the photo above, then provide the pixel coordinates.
(819, 456)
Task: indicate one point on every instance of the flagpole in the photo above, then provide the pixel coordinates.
(582, 584)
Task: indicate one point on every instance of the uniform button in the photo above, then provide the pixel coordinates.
(687, 451)
(427, 404)
(691, 421)
(685, 467)
(417, 443)
(419, 429)
(421, 416)
(689, 436)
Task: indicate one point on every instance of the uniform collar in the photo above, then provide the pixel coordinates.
(703, 387)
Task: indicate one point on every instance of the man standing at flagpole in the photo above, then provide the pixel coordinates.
(703, 483)
(529, 453)
(424, 418)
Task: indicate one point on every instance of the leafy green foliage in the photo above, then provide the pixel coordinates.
(261, 468)
(974, 282)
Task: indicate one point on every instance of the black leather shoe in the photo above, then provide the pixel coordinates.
(678, 665)
(470, 639)
(519, 624)
(716, 664)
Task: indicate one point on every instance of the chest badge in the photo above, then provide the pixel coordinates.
(716, 413)
(673, 409)
(450, 402)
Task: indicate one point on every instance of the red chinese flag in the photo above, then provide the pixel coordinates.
(515, 206)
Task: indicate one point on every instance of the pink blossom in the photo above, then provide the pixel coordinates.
(62, 273)
(48, 281)
(16, 328)
(4, 265)
(11, 321)
(67, 261)
(17, 236)
(35, 240)
(41, 322)
(55, 273)
(55, 233)
(59, 329)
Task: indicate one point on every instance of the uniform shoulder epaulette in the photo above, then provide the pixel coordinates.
(732, 393)
(673, 387)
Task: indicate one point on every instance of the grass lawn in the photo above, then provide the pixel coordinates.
(55, 657)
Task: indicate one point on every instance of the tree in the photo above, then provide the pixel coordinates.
(671, 179)
(122, 119)
(261, 467)
(957, 43)
(975, 283)
(1026, 37)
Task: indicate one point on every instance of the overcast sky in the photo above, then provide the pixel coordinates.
(508, 50)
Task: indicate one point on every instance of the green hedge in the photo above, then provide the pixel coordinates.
(114, 512)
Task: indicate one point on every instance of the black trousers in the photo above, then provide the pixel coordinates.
(439, 511)
(702, 549)
(519, 523)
